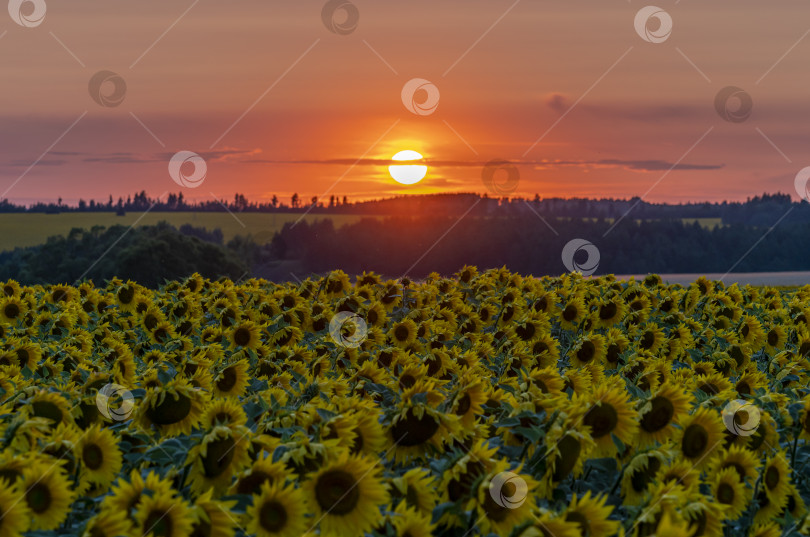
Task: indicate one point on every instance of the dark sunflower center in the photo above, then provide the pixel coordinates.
(613, 352)
(170, 410)
(38, 497)
(46, 409)
(463, 405)
(126, 294)
(647, 340)
(251, 484)
(150, 322)
(772, 478)
(273, 516)
(570, 449)
(159, 523)
(401, 333)
(773, 338)
(412, 431)
(407, 380)
(643, 477)
(607, 311)
(579, 519)
(218, 457)
(540, 347)
(659, 415)
(738, 467)
(743, 388)
(570, 313)
(9, 474)
(586, 352)
(725, 493)
(200, 529)
(526, 332)
(695, 441)
(493, 510)
(336, 492)
(92, 456)
(602, 420)
(242, 336)
(228, 379)
(11, 310)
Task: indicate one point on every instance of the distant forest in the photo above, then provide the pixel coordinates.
(761, 210)
(409, 246)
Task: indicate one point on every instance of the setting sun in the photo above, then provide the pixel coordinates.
(407, 174)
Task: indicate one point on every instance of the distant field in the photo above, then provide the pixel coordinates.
(30, 229)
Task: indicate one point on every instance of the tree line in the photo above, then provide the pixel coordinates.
(412, 246)
(758, 210)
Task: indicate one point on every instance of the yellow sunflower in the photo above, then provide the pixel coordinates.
(278, 511)
(212, 517)
(610, 413)
(591, 515)
(403, 333)
(245, 335)
(776, 479)
(667, 407)
(588, 349)
(163, 515)
(346, 494)
(97, 452)
(219, 455)
(729, 491)
(15, 516)
(232, 380)
(47, 493)
(700, 436)
(173, 409)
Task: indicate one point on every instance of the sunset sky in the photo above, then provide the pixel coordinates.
(276, 103)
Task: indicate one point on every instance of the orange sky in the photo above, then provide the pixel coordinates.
(276, 103)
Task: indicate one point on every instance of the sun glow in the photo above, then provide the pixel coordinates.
(407, 174)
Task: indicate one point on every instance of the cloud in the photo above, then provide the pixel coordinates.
(558, 102)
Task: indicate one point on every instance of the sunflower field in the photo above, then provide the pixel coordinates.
(486, 403)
